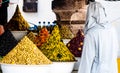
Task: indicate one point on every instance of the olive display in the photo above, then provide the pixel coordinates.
(31, 36)
(25, 53)
(42, 37)
(55, 49)
(65, 32)
(17, 22)
(75, 45)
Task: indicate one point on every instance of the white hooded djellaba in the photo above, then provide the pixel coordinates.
(100, 44)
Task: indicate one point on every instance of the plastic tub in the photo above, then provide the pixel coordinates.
(62, 67)
(65, 41)
(12, 68)
(76, 65)
(19, 34)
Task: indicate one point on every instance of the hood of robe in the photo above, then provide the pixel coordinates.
(96, 17)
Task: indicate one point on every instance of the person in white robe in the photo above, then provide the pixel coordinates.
(100, 47)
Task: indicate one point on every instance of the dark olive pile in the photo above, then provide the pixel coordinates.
(76, 44)
(7, 42)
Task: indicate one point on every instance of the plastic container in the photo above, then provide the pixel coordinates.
(62, 67)
(65, 41)
(76, 65)
(12, 68)
(19, 34)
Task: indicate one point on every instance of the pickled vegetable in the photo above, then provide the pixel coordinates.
(42, 37)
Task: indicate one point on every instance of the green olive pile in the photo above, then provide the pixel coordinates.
(56, 50)
(31, 36)
(25, 53)
(65, 32)
(17, 22)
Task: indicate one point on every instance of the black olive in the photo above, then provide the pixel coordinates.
(7, 42)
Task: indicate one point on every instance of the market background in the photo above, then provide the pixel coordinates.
(70, 12)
